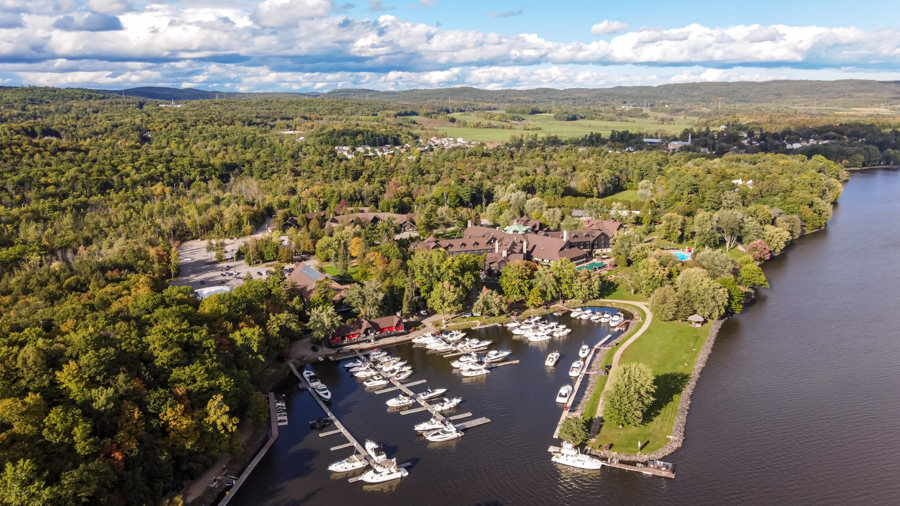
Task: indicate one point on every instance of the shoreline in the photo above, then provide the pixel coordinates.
(684, 405)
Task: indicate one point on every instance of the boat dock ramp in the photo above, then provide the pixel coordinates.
(651, 468)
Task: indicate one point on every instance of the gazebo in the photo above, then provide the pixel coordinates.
(696, 320)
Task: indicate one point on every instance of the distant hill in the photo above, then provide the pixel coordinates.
(845, 93)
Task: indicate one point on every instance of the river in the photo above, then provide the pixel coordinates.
(798, 404)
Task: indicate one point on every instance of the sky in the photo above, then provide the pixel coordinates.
(321, 45)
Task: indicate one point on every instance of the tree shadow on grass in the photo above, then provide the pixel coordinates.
(667, 387)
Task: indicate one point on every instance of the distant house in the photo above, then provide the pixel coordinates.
(304, 278)
(404, 221)
(366, 329)
(677, 145)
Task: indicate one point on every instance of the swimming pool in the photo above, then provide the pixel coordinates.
(681, 255)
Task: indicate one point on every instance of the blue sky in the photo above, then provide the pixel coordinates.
(319, 45)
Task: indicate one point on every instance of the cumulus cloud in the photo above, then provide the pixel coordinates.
(506, 14)
(607, 27)
(11, 20)
(378, 6)
(282, 13)
(110, 6)
(88, 22)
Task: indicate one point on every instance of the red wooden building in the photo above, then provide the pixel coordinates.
(366, 329)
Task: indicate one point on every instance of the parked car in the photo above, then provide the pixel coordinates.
(466, 315)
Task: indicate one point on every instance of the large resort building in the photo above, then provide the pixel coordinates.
(523, 240)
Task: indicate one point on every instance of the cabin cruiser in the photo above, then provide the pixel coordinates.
(454, 335)
(616, 320)
(605, 317)
(400, 401)
(375, 451)
(575, 370)
(376, 354)
(551, 359)
(563, 395)
(383, 473)
(402, 375)
(561, 331)
(475, 371)
(584, 351)
(536, 337)
(496, 355)
(375, 381)
(424, 338)
(365, 373)
(355, 363)
(596, 317)
(468, 357)
(447, 404)
(513, 324)
(429, 425)
(570, 456)
(323, 392)
(585, 315)
(575, 313)
(351, 463)
(311, 377)
(440, 347)
(431, 394)
(445, 433)
(461, 364)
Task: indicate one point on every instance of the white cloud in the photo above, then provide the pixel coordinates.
(282, 13)
(88, 22)
(11, 20)
(607, 27)
(110, 6)
(378, 6)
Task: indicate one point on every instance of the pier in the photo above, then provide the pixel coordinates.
(337, 423)
(652, 468)
(567, 409)
(262, 453)
(395, 388)
(409, 393)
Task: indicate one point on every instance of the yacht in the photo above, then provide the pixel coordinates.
(430, 425)
(402, 375)
(424, 338)
(570, 456)
(616, 320)
(561, 331)
(475, 371)
(575, 370)
(563, 395)
(496, 355)
(375, 451)
(551, 359)
(447, 404)
(575, 313)
(351, 463)
(584, 351)
(323, 392)
(355, 363)
(469, 357)
(596, 317)
(440, 347)
(513, 324)
(462, 364)
(384, 473)
(365, 373)
(400, 401)
(311, 377)
(375, 355)
(431, 394)
(605, 318)
(585, 315)
(375, 381)
(538, 337)
(445, 433)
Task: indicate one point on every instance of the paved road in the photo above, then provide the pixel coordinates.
(624, 346)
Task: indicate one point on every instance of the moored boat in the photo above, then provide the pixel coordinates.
(384, 473)
(447, 404)
(323, 392)
(375, 451)
(375, 381)
(570, 456)
(584, 351)
(351, 463)
(496, 355)
(431, 394)
(445, 433)
(552, 358)
(429, 425)
(563, 395)
(400, 401)
(575, 370)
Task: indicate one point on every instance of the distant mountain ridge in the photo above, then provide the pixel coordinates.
(844, 92)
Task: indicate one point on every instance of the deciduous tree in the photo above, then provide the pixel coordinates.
(630, 394)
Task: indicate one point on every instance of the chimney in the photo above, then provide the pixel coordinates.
(469, 224)
(525, 247)
(504, 253)
(566, 235)
(497, 247)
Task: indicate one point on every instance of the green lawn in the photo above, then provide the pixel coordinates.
(625, 195)
(543, 125)
(670, 349)
(331, 270)
(622, 293)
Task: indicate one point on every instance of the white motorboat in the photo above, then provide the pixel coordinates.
(402, 375)
(552, 358)
(496, 355)
(596, 317)
(440, 347)
(454, 335)
(584, 351)
(385, 473)
(424, 338)
(311, 377)
(365, 373)
(351, 463)
(462, 364)
(575, 370)
(513, 324)
(475, 371)
(375, 355)
(431, 394)
(375, 451)
(471, 365)
(400, 401)
(445, 433)
(429, 425)
(605, 317)
(447, 404)
(520, 330)
(563, 395)
(575, 313)
(375, 381)
(538, 337)
(323, 392)
(355, 363)
(586, 315)
(570, 456)
(616, 320)
(469, 357)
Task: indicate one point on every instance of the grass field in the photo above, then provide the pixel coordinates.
(670, 349)
(544, 125)
(625, 195)
(331, 270)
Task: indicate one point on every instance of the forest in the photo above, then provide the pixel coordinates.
(116, 387)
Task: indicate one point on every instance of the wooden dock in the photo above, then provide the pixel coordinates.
(567, 409)
(473, 423)
(653, 468)
(404, 388)
(501, 364)
(329, 433)
(460, 416)
(262, 453)
(395, 388)
(337, 423)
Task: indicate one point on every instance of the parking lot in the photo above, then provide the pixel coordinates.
(198, 268)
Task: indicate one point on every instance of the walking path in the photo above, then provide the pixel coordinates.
(614, 369)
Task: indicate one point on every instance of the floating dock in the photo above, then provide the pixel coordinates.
(473, 423)
(405, 389)
(395, 388)
(652, 468)
(567, 409)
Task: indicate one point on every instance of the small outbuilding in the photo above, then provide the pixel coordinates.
(696, 320)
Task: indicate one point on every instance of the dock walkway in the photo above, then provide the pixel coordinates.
(337, 423)
(567, 409)
(407, 391)
(653, 468)
(262, 453)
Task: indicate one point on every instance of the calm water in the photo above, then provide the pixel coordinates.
(799, 403)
